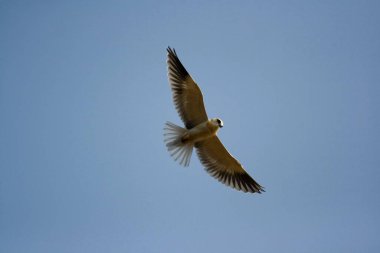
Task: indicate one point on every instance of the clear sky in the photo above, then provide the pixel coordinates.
(84, 96)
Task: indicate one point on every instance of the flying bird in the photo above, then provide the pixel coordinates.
(200, 132)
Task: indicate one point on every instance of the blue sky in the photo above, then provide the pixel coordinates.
(84, 96)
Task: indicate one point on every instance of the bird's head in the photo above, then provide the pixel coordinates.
(217, 122)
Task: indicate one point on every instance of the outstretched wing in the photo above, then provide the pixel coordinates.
(187, 96)
(224, 167)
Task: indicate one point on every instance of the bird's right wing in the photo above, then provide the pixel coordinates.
(220, 164)
(187, 96)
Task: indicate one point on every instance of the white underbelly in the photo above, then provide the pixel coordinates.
(200, 133)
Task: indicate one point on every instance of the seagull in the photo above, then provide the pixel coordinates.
(200, 132)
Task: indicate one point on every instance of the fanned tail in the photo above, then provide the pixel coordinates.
(180, 151)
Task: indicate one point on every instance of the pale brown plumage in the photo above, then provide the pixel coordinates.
(187, 96)
(217, 161)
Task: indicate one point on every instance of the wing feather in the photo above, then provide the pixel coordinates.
(187, 96)
(220, 164)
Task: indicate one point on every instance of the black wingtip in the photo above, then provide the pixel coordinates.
(260, 190)
(171, 51)
(239, 181)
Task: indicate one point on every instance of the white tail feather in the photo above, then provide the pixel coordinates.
(178, 150)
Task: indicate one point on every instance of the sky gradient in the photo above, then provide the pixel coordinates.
(84, 97)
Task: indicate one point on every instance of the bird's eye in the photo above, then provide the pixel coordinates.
(218, 120)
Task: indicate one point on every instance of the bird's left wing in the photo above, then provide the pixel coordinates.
(187, 96)
(220, 164)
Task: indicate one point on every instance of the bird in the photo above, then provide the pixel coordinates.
(200, 132)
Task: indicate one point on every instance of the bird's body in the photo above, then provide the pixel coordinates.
(200, 132)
